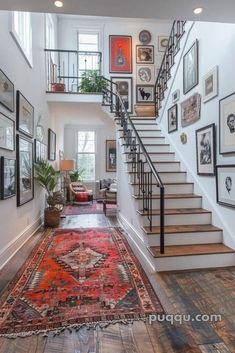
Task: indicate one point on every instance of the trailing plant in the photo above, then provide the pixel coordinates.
(76, 175)
(92, 82)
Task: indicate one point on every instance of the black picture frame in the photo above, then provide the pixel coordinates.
(7, 133)
(7, 178)
(7, 92)
(227, 125)
(24, 115)
(51, 145)
(225, 185)
(190, 68)
(25, 170)
(206, 150)
(172, 118)
(144, 54)
(124, 85)
(144, 94)
(111, 156)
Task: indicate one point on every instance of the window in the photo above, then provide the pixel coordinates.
(50, 32)
(22, 33)
(86, 154)
(88, 42)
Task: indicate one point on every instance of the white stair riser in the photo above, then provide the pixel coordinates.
(157, 148)
(144, 121)
(147, 140)
(169, 189)
(160, 167)
(164, 157)
(152, 133)
(170, 220)
(174, 203)
(147, 126)
(194, 262)
(186, 238)
(165, 178)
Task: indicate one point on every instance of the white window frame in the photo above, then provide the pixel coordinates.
(49, 32)
(95, 153)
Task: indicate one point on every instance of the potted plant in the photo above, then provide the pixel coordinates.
(92, 82)
(76, 175)
(47, 177)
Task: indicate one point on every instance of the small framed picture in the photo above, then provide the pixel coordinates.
(175, 96)
(225, 185)
(210, 85)
(51, 145)
(7, 133)
(191, 110)
(162, 43)
(227, 124)
(7, 178)
(144, 94)
(173, 119)
(144, 54)
(111, 156)
(190, 68)
(205, 150)
(24, 115)
(124, 88)
(7, 96)
(145, 74)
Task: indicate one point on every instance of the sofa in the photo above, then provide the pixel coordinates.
(103, 185)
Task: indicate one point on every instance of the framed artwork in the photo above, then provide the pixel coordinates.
(173, 119)
(144, 54)
(51, 145)
(145, 37)
(7, 133)
(144, 94)
(43, 152)
(175, 96)
(206, 150)
(191, 110)
(124, 88)
(210, 85)
(7, 178)
(162, 43)
(24, 115)
(190, 68)
(145, 74)
(7, 96)
(25, 170)
(225, 185)
(227, 124)
(120, 54)
(111, 156)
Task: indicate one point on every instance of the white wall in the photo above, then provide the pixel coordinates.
(216, 47)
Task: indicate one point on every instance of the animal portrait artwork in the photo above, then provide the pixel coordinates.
(144, 94)
(120, 54)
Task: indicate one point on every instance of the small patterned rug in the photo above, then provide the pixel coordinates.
(74, 278)
(88, 208)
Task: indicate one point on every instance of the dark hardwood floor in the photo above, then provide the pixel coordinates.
(190, 292)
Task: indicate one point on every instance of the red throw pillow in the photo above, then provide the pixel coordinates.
(81, 197)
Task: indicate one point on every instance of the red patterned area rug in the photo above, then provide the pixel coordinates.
(95, 208)
(75, 278)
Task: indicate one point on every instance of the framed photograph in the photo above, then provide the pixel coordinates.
(175, 96)
(25, 170)
(210, 85)
(120, 54)
(111, 156)
(145, 74)
(51, 145)
(162, 43)
(225, 185)
(7, 178)
(7, 96)
(173, 119)
(144, 94)
(190, 68)
(227, 124)
(7, 133)
(144, 54)
(43, 152)
(191, 110)
(206, 150)
(24, 115)
(124, 88)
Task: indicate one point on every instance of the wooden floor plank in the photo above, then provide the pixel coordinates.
(128, 339)
(111, 340)
(214, 348)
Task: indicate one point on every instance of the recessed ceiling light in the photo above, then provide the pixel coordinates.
(58, 3)
(198, 10)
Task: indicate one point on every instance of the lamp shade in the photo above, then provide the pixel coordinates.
(67, 165)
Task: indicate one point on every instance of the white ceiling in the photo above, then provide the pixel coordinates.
(214, 10)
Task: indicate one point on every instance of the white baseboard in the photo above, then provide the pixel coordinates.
(11, 249)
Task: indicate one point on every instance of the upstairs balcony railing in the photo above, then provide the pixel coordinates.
(65, 69)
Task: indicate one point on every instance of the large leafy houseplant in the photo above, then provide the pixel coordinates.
(76, 175)
(92, 82)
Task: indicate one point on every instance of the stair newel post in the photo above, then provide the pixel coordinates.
(162, 220)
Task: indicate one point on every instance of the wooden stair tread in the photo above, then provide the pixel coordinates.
(174, 229)
(171, 196)
(187, 250)
(175, 211)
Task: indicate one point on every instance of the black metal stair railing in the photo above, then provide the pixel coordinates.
(143, 169)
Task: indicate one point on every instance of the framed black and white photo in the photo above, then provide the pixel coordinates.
(190, 68)
(173, 119)
(124, 88)
(24, 115)
(7, 178)
(25, 170)
(162, 43)
(43, 152)
(225, 185)
(7, 133)
(145, 74)
(227, 125)
(144, 54)
(51, 145)
(144, 94)
(7, 95)
(210, 85)
(206, 150)
(111, 156)
(175, 96)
